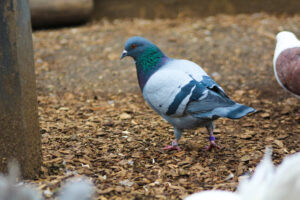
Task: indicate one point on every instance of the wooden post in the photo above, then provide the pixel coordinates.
(19, 128)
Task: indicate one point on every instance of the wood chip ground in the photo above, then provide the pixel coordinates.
(94, 121)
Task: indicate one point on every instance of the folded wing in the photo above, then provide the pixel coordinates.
(175, 91)
(215, 103)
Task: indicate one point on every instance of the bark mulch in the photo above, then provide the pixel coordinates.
(94, 121)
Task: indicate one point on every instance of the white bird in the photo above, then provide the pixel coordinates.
(214, 195)
(267, 183)
(286, 62)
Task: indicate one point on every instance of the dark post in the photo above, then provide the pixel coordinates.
(19, 128)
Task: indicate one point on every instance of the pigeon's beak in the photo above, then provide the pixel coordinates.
(124, 54)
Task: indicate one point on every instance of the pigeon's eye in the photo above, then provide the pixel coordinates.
(133, 46)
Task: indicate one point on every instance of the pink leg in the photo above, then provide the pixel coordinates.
(212, 139)
(212, 144)
(173, 146)
(298, 113)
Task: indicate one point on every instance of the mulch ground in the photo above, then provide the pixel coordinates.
(94, 121)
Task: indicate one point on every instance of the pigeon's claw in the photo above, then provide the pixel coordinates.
(212, 145)
(171, 147)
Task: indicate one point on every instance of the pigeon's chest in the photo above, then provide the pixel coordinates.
(287, 69)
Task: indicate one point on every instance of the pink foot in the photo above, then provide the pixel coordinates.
(171, 147)
(298, 113)
(212, 145)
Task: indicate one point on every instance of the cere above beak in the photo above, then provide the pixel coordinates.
(124, 54)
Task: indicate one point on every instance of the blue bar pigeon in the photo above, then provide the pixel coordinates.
(180, 91)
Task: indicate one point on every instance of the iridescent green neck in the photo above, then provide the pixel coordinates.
(147, 63)
(149, 59)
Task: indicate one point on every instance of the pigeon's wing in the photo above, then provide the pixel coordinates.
(168, 91)
(182, 87)
(214, 103)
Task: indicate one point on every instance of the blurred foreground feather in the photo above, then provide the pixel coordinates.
(268, 182)
(12, 189)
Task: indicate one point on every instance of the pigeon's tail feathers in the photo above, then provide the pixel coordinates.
(234, 111)
(214, 104)
(238, 111)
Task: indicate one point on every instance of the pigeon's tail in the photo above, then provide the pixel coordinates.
(238, 111)
(235, 111)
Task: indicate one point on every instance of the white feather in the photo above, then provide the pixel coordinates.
(77, 189)
(213, 195)
(267, 182)
(256, 187)
(11, 190)
(285, 184)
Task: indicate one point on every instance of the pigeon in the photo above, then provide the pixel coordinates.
(180, 91)
(286, 62)
(267, 182)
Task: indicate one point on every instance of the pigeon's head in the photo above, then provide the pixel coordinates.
(286, 36)
(135, 46)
